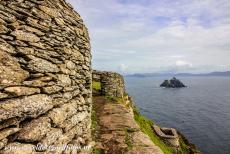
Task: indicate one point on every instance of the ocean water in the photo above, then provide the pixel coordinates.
(201, 111)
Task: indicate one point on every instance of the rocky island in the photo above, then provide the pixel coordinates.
(173, 83)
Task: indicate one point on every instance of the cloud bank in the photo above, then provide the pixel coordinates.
(133, 36)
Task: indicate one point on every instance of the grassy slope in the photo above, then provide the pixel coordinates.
(145, 125)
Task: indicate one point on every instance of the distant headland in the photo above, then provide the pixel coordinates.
(227, 73)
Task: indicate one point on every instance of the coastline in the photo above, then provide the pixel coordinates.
(145, 124)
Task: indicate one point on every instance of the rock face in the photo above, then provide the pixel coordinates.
(45, 76)
(173, 83)
(112, 84)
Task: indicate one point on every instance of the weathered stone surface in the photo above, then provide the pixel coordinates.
(3, 143)
(3, 95)
(3, 29)
(51, 89)
(7, 47)
(35, 130)
(10, 122)
(50, 11)
(45, 79)
(51, 136)
(35, 83)
(74, 120)
(24, 36)
(31, 106)
(19, 91)
(64, 79)
(18, 148)
(10, 70)
(41, 65)
(58, 115)
(117, 127)
(8, 131)
(25, 50)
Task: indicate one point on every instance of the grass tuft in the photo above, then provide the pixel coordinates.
(96, 85)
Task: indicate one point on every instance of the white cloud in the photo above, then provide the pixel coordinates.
(158, 35)
(181, 63)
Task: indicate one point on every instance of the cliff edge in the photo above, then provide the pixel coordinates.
(118, 127)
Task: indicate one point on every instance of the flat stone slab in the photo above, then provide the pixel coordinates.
(117, 127)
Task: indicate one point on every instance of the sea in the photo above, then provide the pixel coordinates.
(201, 111)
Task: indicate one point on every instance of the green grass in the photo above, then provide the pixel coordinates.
(94, 124)
(97, 85)
(145, 125)
(95, 130)
(128, 137)
(96, 151)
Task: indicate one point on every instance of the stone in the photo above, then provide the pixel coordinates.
(7, 17)
(12, 122)
(51, 89)
(34, 130)
(42, 66)
(51, 136)
(59, 115)
(3, 29)
(24, 36)
(169, 135)
(64, 79)
(173, 83)
(33, 30)
(35, 83)
(7, 47)
(3, 143)
(29, 106)
(74, 120)
(10, 70)
(20, 91)
(25, 50)
(8, 131)
(50, 11)
(3, 95)
(40, 14)
(70, 65)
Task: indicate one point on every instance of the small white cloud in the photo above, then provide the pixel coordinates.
(181, 63)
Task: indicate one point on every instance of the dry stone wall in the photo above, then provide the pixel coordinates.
(112, 84)
(45, 76)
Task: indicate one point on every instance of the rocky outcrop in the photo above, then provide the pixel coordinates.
(45, 81)
(173, 83)
(112, 84)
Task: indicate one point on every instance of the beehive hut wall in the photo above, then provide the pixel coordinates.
(45, 74)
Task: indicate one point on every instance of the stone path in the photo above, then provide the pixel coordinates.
(119, 132)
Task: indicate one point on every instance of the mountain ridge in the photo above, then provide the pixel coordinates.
(216, 73)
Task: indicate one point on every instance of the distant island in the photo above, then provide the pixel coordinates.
(227, 73)
(173, 83)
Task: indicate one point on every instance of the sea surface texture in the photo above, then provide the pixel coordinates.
(201, 111)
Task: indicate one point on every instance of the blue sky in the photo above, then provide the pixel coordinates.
(136, 36)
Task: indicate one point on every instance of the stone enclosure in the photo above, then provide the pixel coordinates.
(112, 84)
(45, 81)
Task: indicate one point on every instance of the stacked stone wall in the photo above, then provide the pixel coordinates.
(45, 76)
(112, 84)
